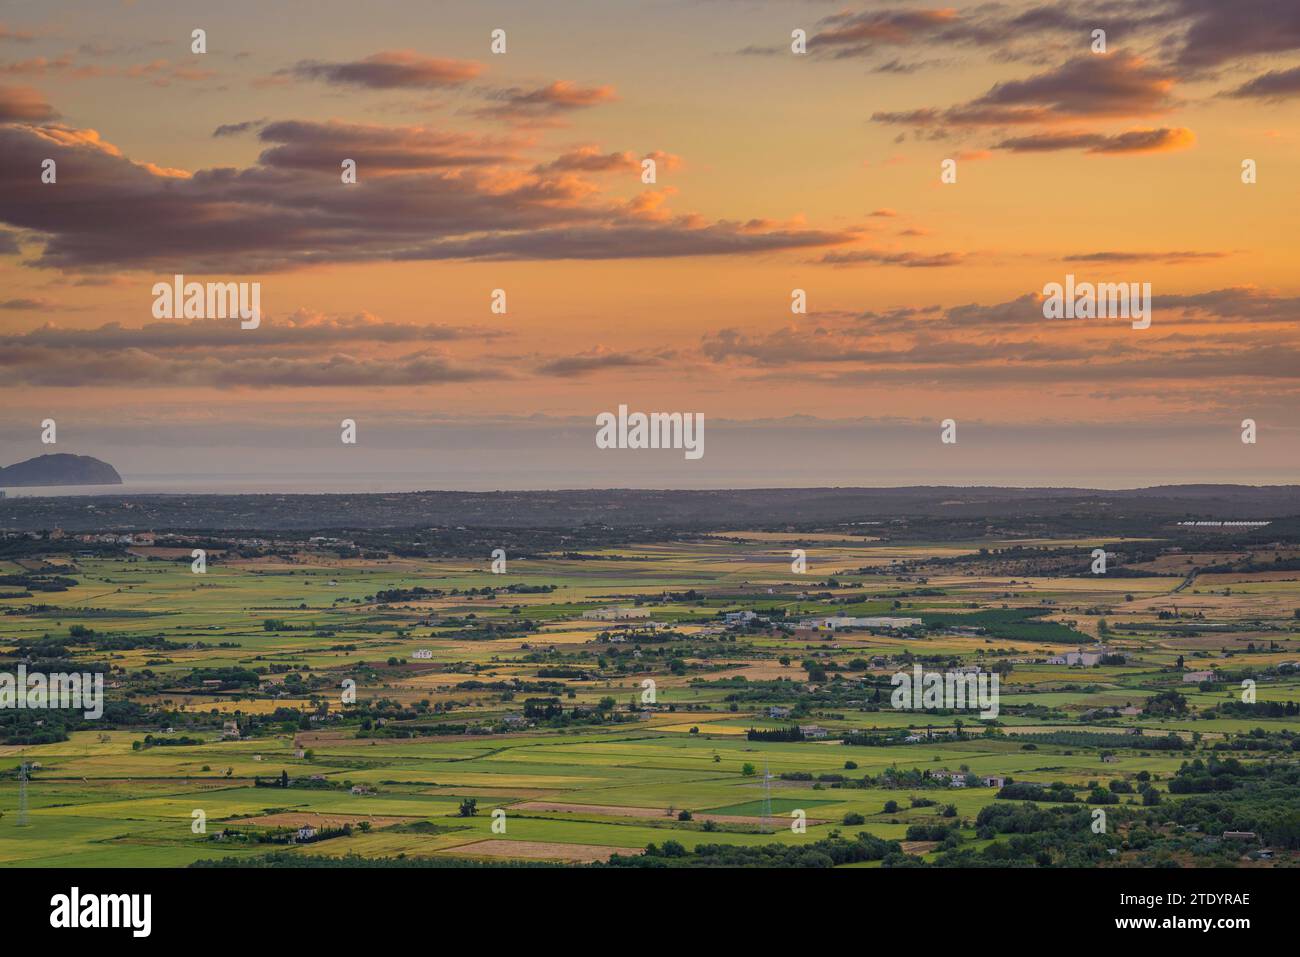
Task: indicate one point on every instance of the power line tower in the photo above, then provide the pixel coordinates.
(767, 800)
(22, 795)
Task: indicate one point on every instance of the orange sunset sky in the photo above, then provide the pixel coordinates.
(775, 171)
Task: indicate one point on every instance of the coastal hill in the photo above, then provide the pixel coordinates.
(59, 469)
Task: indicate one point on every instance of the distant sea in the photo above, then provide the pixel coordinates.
(454, 480)
(466, 479)
(245, 485)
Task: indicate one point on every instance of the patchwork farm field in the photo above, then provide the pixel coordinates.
(303, 700)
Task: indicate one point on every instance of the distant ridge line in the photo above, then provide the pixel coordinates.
(698, 509)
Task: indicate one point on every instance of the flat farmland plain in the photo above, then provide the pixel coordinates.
(605, 702)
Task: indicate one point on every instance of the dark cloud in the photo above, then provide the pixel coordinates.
(22, 104)
(66, 368)
(1090, 86)
(1132, 141)
(377, 149)
(1050, 142)
(1240, 303)
(235, 129)
(682, 237)
(1023, 310)
(900, 67)
(302, 350)
(597, 361)
(1274, 85)
(1175, 256)
(543, 105)
(1146, 141)
(1220, 33)
(1007, 367)
(848, 34)
(880, 257)
(1010, 343)
(589, 159)
(1192, 37)
(301, 329)
(439, 201)
(1015, 34)
(389, 70)
(1117, 84)
(823, 346)
(1057, 17)
(926, 116)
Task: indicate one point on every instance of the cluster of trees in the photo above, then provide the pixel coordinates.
(409, 730)
(791, 733)
(36, 582)
(550, 711)
(575, 674)
(930, 832)
(1218, 774)
(281, 782)
(1029, 791)
(1258, 797)
(1164, 704)
(1102, 739)
(51, 725)
(824, 778)
(150, 741)
(289, 835)
(1260, 740)
(230, 678)
(416, 593)
(828, 852)
(867, 740)
(1223, 796)
(1261, 709)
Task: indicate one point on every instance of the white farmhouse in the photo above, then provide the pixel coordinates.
(844, 621)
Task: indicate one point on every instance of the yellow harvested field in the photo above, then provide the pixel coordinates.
(918, 847)
(299, 818)
(703, 726)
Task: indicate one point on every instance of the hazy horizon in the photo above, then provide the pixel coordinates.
(548, 454)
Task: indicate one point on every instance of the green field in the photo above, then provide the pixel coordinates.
(607, 770)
